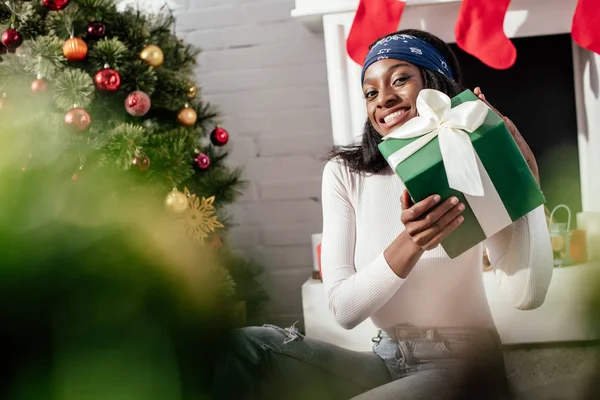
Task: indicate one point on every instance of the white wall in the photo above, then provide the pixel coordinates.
(266, 73)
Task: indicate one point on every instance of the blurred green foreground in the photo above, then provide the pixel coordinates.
(102, 294)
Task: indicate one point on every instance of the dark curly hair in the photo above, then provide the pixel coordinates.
(365, 157)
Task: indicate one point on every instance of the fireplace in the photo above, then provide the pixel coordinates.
(538, 95)
(561, 86)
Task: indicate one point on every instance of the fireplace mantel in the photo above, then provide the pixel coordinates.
(525, 18)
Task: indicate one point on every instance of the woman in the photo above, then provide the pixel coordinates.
(382, 260)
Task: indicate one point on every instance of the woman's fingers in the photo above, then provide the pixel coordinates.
(426, 236)
(434, 216)
(405, 200)
(415, 212)
(444, 233)
(477, 91)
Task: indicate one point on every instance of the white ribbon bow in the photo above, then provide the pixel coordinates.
(437, 118)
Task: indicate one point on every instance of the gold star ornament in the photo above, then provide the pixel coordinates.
(200, 219)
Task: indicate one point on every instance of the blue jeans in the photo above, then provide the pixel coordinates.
(407, 363)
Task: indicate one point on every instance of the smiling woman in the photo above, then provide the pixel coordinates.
(410, 74)
(381, 260)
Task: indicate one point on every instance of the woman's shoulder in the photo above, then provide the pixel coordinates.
(339, 169)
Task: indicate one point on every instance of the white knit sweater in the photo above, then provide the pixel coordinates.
(361, 217)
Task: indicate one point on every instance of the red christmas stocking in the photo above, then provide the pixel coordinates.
(373, 19)
(479, 31)
(586, 25)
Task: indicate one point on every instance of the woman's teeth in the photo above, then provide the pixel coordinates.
(388, 118)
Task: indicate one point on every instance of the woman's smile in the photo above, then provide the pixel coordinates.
(393, 117)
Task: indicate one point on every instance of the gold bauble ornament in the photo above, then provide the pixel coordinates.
(153, 55)
(176, 202)
(187, 116)
(191, 93)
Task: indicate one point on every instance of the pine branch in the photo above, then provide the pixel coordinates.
(110, 52)
(13, 74)
(98, 10)
(73, 88)
(141, 77)
(66, 23)
(124, 142)
(171, 158)
(223, 183)
(45, 55)
(206, 114)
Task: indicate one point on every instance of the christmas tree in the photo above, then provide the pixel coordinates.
(119, 87)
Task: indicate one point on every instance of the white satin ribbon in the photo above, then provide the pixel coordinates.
(437, 118)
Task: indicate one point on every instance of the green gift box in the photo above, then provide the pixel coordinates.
(509, 188)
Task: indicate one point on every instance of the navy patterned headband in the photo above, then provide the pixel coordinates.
(410, 49)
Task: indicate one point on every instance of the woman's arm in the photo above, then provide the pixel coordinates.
(521, 255)
(355, 296)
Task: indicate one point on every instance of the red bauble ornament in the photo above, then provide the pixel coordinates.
(202, 160)
(78, 119)
(12, 39)
(137, 103)
(39, 86)
(219, 136)
(142, 162)
(107, 80)
(96, 29)
(55, 5)
(75, 49)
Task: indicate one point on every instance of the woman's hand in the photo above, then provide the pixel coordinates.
(429, 222)
(426, 224)
(521, 143)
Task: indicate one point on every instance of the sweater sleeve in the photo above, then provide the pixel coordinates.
(353, 296)
(521, 255)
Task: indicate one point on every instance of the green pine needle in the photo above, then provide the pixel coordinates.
(108, 51)
(124, 142)
(46, 55)
(144, 77)
(73, 88)
(65, 23)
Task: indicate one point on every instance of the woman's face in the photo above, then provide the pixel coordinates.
(390, 88)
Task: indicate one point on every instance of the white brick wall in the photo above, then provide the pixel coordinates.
(266, 73)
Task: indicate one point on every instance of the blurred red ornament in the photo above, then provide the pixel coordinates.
(12, 39)
(202, 160)
(78, 119)
(219, 136)
(137, 103)
(55, 5)
(96, 29)
(75, 49)
(75, 176)
(217, 242)
(142, 162)
(107, 80)
(39, 86)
